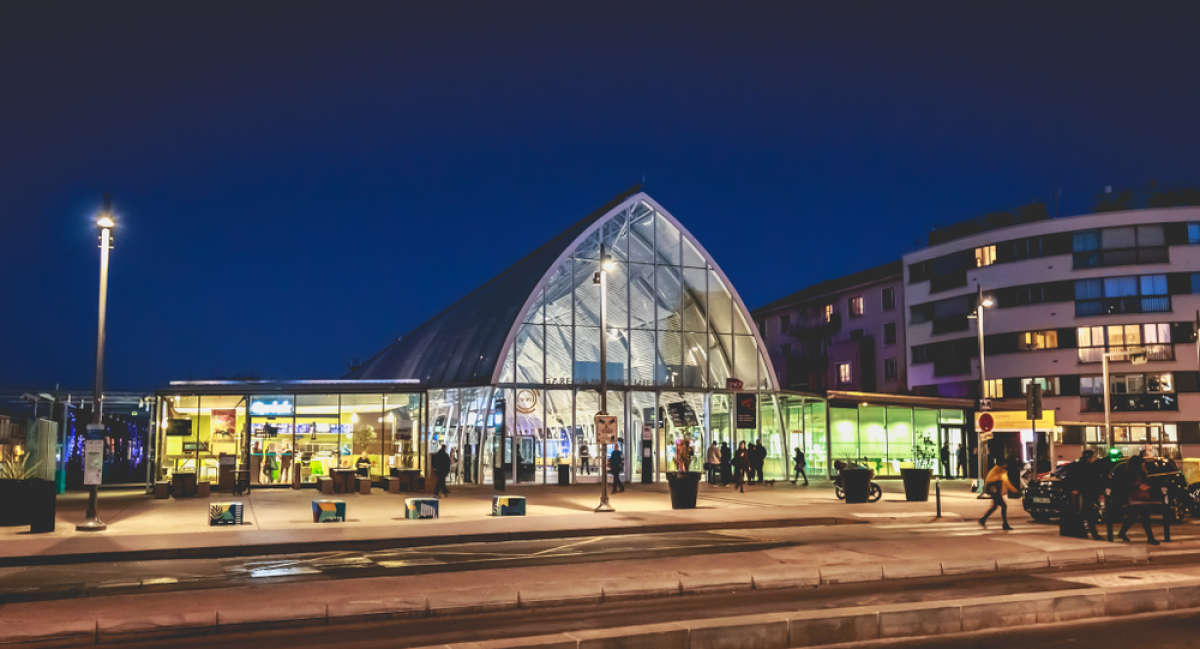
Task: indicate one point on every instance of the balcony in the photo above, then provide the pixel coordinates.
(817, 328)
(1131, 403)
(1153, 353)
(1117, 306)
(951, 366)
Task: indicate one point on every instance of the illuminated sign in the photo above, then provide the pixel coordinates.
(272, 409)
(1013, 420)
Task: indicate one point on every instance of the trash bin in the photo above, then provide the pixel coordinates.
(857, 484)
(564, 475)
(42, 505)
(684, 486)
(916, 484)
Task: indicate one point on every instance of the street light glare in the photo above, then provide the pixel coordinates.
(105, 221)
(608, 264)
(987, 301)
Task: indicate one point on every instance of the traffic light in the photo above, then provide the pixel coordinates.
(1033, 402)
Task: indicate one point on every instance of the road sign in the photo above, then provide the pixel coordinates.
(606, 429)
(986, 423)
(734, 385)
(983, 437)
(93, 461)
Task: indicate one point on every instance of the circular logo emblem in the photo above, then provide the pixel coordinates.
(527, 401)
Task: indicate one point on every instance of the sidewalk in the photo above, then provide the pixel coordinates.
(280, 521)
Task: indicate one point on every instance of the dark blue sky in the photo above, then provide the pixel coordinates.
(298, 185)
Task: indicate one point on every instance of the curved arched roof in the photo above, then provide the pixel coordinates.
(466, 344)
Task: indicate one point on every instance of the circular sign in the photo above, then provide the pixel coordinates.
(986, 422)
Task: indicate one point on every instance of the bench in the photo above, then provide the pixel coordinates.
(225, 514)
(329, 511)
(362, 485)
(416, 508)
(391, 484)
(508, 505)
(203, 489)
(325, 484)
(162, 489)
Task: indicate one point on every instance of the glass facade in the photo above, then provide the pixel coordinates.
(889, 438)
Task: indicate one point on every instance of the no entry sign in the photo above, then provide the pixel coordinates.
(986, 422)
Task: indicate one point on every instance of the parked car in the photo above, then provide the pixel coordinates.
(1046, 497)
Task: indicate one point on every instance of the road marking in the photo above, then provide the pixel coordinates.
(905, 515)
(1134, 578)
(569, 545)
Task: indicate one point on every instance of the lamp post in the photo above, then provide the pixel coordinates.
(1136, 356)
(105, 222)
(980, 304)
(601, 278)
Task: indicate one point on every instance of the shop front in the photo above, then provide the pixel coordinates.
(287, 433)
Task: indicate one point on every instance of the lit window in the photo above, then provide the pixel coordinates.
(1091, 386)
(1049, 385)
(1159, 383)
(1032, 340)
(993, 389)
(844, 374)
(985, 256)
(828, 312)
(856, 306)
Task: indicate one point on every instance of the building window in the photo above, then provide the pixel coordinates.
(889, 333)
(1193, 233)
(1155, 338)
(1049, 385)
(891, 369)
(856, 306)
(889, 298)
(1116, 295)
(985, 256)
(1142, 244)
(828, 312)
(1153, 383)
(1091, 386)
(844, 375)
(1034, 340)
(993, 389)
(785, 321)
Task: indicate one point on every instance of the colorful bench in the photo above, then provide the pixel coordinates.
(329, 511)
(225, 514)
(508, 505)
(416, 508)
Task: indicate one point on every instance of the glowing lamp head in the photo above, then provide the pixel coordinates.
(105, 221)
(608, 264)
(354, 417)
(987, 302)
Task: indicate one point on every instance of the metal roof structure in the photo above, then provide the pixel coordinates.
(468, 344)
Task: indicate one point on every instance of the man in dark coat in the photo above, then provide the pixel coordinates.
(441, 468)
(616, 464)
(759, 459)
(1084, 482)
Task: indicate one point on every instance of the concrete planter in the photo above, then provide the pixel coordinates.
(916, 484)
(684, 487)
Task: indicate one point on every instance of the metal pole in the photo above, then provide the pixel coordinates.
(604, 506)
(982, 381)
(92, 522)
(1107, 427)
(937, 487)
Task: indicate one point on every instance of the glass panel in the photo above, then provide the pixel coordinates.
(1120, 286)
(1154, 284)
(746, 360)
(669, 290)
(317, 434)
(618, 297)
(641, 234)
(666, 237)
(615, 237)
(361, 415)
(641, 296)
(843, 436)
(590, 248)
(506, 370)
(181, 424)
(1151, 235)
(402, 412)
(925, 427)
(667, 360)
(527, 435)
(765, 380)
(1089, 289)
(587, 355)
(558, 294)
(951, 417)
(692, 256)
(559, 355)
(1117, 238)
(588, 453)
(721, 418)
(1086, 241)
(720, 359)
(529, 354)
(587, 295)
(618, 355)
(695, 299)
(684, 442)
(272, 418)
(771, 438)
(872, 436)
(641, 367)
(816, 448)
(221, 423)
(644, 434)
(720, 305)
(695, 360)
(559, 443)
(536, 314)
(905, 450)
(739, 322)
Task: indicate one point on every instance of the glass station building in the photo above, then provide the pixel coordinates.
(520, 358)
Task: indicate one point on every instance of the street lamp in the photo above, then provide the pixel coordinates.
(980, 304)
(1136, 356)
(601, 278)
(92, 522)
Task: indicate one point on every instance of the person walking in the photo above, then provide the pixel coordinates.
(726, 464)
(616, 462)
(1136, 493)
(585, 459)
(741, 466)
(1083, 480)
(712, 462)
(945, 457)
(997, 485)
(798, 461)
(441, 468)
(759, 456)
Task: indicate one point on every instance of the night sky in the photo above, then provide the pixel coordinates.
(299, 184)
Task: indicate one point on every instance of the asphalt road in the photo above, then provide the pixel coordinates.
(522, 623)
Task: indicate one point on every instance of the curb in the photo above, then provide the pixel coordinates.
(861, 623)
(373, 545)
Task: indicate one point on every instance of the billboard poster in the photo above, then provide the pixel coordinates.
(224, 422)
(747, 411)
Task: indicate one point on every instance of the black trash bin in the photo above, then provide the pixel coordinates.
(916, 484)
(564, 475)
(684, 487)
(42, 494)
(857, 484)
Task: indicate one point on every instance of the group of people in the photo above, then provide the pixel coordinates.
(739, 468)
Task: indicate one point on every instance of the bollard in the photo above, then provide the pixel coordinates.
(937, 490)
